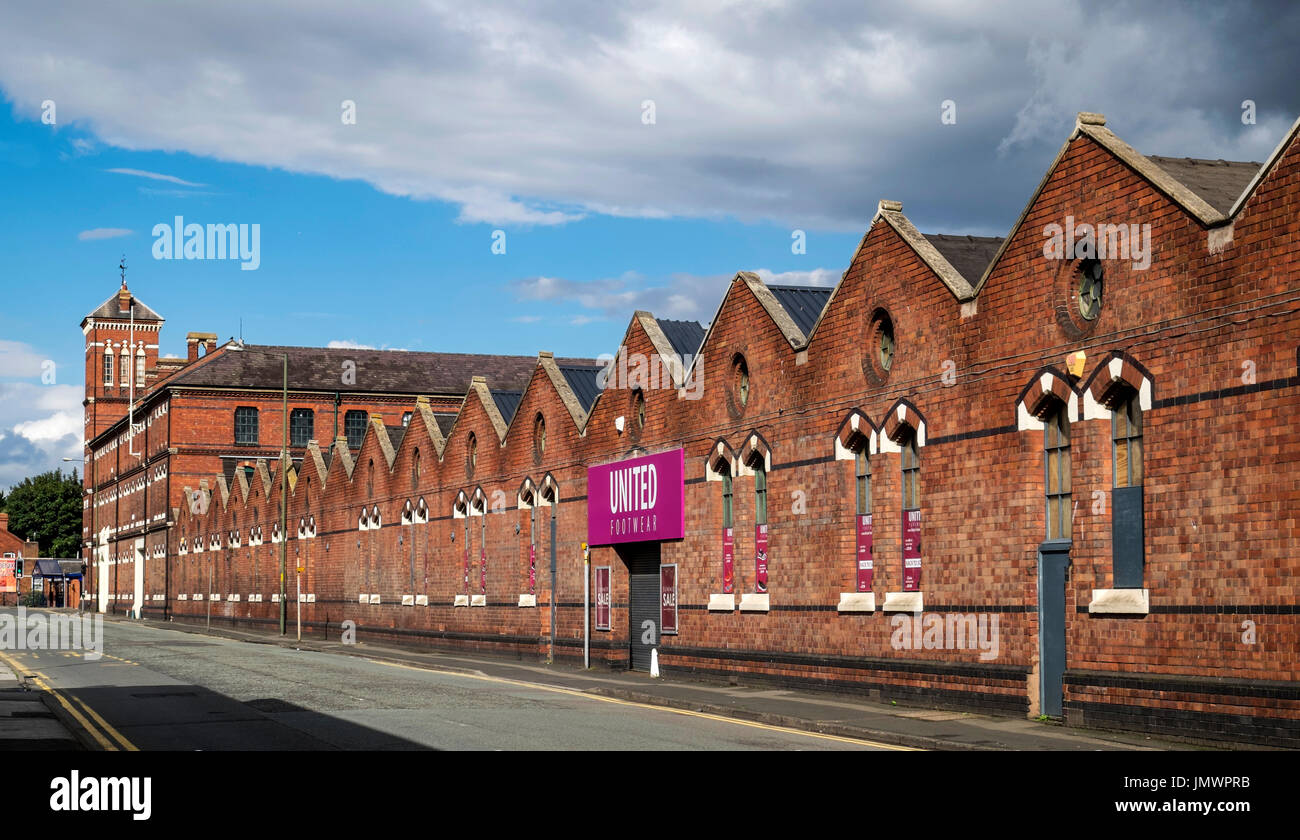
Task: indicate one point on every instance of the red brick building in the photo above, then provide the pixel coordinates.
(220, 413)
(1051, 473)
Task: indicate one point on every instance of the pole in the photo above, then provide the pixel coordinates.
(214, 562)
(298, 584)
(284, 490)
(586, 606)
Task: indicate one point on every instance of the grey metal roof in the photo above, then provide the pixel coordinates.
(582, 379)
(109, 309)
(1219, 182)
(684, 336)
(970, 255)
(395, 435)
(804, 304)
(507, 403)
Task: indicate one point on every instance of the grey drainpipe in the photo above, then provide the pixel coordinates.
(337, 400)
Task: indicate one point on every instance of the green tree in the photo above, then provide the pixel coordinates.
(47, 508)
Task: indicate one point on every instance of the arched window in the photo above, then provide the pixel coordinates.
(471, 454)
(125, 379)
(911, 466)
(1056, 456)
(139, 366)
(415, 469)
(1126, 435)
(1127, 514)
(108, 365)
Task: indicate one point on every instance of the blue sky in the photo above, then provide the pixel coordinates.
(535, 119)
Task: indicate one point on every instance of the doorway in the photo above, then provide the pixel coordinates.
(642, 560)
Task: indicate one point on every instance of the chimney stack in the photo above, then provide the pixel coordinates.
(194, 339)
(123, 299)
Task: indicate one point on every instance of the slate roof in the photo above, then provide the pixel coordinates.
(582, 379)
(445, 422)
(1219, 182)
(804, 304)
(685, 336)
(395, 435)
(507, 403)
(108, 309)
(970, 255)
(390, 371)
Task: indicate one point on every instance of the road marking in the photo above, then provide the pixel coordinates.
(39, 679)
(705, 715)
(122, 739)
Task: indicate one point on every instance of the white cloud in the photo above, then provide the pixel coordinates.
(52, 428)
(531, 114)
(19, 360)
(816, 277)
(156, 176)
(103, 233)
(348, 344)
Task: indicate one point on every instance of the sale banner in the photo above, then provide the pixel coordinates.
(8, 574)
(760, 559)
(728, 560)
(602, 597)
(668, 599)
(532, 569)
(482, 571)
(866, 565)
(911, 551)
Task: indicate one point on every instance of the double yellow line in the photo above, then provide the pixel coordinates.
(108, 738)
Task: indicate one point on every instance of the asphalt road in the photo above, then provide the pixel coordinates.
(159, 689)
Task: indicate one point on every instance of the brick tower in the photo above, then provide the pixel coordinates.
(121, 352)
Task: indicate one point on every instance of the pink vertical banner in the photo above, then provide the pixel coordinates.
(760, 559)
(668, 599)
(728, 560)
(602, 598)
(532, 569)
(482, 570)
(866, 565)
(911, 551)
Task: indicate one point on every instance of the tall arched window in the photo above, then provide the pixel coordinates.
(415, 470)
(1127, 514)
(139, 366)
(125, 379)
(1056, 456)
(108, 365)
(911, 475)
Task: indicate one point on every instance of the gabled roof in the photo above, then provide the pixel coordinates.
(1219, 182)
(109, 309)
(969, 255)
(804, 304)
(507, 403)
(582, 381)
(684, 336)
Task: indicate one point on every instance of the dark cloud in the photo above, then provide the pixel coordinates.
(805, 114)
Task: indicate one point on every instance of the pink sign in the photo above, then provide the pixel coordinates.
(602, 597)
(637, 499)
(760, 559)
(911, 551)
(866, 567)
(482, 571)
(532, 569)
(668, 598)
(728, 560)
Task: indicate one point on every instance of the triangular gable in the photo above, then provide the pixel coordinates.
(1264, 170)
(1093, 126)
(546, 361)
(425, 413)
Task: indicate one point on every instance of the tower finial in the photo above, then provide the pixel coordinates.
(122, 267)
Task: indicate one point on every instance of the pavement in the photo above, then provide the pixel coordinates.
(28, 719)
(840, 715)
